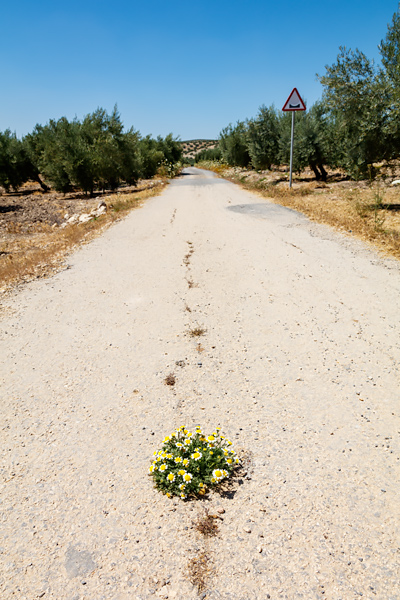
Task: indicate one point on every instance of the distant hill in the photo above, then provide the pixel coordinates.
(191, 147)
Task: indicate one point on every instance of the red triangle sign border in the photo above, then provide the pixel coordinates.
(298, 103)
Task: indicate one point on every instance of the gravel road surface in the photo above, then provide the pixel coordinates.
(299, 365)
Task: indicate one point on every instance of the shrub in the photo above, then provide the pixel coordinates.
(190, 463)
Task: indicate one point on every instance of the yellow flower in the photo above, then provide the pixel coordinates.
(163, 467)
(179, 460)
(170, 477)
(181, 472)
(167, 439)
(185, 462)
(196, 455)
(229, 461)
(210, 438)
(187, 477)
(218, 474)
(169, 495)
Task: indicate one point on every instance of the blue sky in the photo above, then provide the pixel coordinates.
(178, 67)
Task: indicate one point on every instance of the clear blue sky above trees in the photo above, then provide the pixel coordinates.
(190, 68)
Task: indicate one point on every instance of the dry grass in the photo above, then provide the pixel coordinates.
(192, 284)
(207, 525)
(370, 212)
(199, 569)
(170, 379)
(27, 255)
(197, 331)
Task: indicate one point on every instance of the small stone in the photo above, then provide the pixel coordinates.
(220, 511)
(247, 529)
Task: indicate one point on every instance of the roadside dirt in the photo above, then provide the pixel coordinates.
(37, 229)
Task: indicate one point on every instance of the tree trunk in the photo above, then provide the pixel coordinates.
(42, 184)
(324, 174)
(316, 172)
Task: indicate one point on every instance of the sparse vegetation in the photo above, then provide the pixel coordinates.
(197, 331)
(170, 379)
(192, 147)
(199, 569)
(207, 524)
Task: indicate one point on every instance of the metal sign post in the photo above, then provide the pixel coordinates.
(293, 104)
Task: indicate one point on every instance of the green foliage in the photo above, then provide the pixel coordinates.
(16, 165)
(150, 157)
(389, 81)
(233, 144)
(311, 146)
(209, 154)
(93, 154)
(190, 463)
(263, 138)
(390, 51)
(170, 147)
(354, 98)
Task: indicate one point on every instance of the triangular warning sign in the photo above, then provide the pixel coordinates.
(294, 102)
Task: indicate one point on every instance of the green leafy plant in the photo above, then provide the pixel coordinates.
(189, 463)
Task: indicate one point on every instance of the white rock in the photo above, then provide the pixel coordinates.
(84, 218)
(99, 211)
(395, 182)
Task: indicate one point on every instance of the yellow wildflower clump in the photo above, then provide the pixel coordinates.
(192, 462)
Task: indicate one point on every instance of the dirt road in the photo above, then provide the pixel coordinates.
(298, 365)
